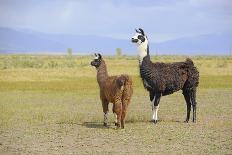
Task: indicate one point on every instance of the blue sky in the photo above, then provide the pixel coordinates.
(161, 19)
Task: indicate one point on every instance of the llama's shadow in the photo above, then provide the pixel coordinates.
(151, 121)
(95, 125)
(169, 121)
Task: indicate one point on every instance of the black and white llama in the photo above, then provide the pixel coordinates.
(162, 79)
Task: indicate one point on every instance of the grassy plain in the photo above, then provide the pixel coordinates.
(51, 105)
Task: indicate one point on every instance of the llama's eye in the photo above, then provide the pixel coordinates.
(140, 37)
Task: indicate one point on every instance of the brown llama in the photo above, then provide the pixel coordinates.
(115, 89)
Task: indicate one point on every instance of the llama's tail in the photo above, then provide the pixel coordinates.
(189, 62)
(124, 82)
(193, 74)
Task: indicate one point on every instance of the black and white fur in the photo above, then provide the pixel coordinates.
(162, 79)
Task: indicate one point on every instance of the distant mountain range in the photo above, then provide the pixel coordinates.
(31, 42)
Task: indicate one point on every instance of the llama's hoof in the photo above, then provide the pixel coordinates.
(117, 125)
(186, 121)
(105, 124)
(155, 121)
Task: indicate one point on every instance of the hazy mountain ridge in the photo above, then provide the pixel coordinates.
(202, 44)
(27, 41)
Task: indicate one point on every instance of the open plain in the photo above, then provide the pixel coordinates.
(51, 105)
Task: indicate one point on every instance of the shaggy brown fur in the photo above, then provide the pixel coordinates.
(115, 89)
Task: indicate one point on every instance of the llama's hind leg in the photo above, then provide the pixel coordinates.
(118, 111)
(124, 111)
(194, 104)
(115, 116)
(188, 103)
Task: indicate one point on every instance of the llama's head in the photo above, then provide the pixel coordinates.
(139, 38)
(97, 60)
(142, 42)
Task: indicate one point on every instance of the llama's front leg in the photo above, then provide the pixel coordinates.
(105, 110)
(155, 107)
(105, 119)
(155, 114)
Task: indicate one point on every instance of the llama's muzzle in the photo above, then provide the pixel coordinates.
(92, 63)
(133, 40)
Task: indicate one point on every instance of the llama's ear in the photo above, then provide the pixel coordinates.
(141, 31)
(137, 31)
(99, 56)
(95, 56)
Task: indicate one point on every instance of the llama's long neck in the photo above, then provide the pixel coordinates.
(102, 73)
(146, 69)
(143, 51)
(145, 62)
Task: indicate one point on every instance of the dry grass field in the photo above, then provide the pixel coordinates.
(51, 105)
